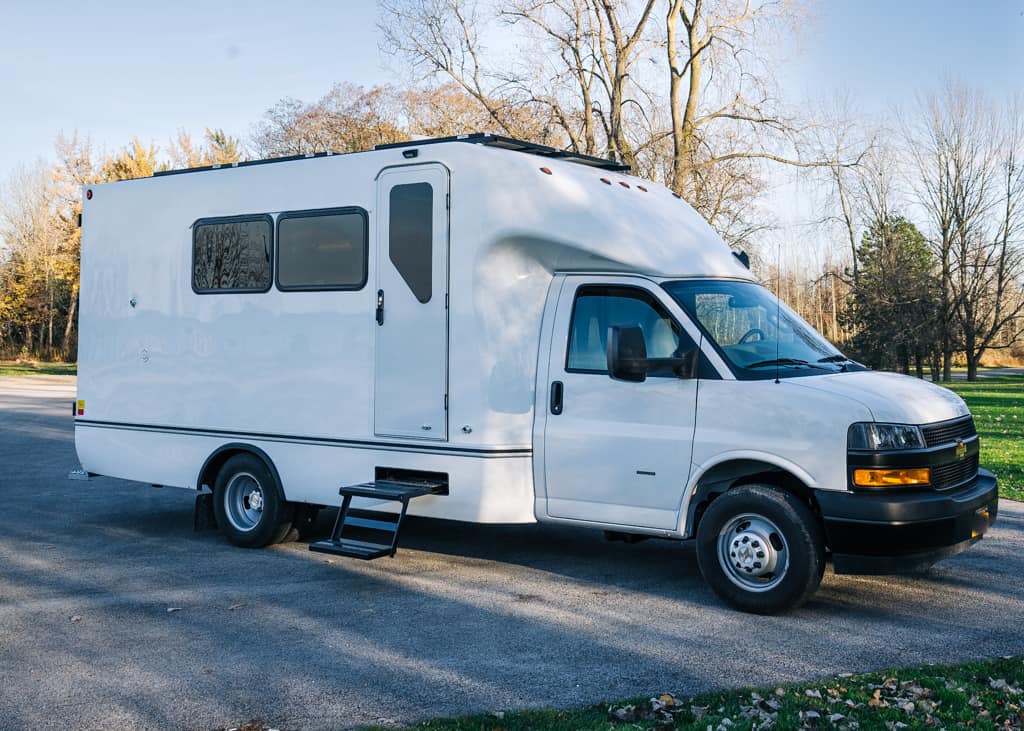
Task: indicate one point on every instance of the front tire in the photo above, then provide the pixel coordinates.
(760, 549)
(247, 503)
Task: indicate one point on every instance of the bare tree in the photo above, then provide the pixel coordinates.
(591, 71)
(967, 160)
(347, 118)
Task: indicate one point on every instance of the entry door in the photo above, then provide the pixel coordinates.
(615, 452)
(410, 389)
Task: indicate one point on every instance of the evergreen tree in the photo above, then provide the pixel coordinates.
(896, 298)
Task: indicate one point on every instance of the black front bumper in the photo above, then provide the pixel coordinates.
(879, 533)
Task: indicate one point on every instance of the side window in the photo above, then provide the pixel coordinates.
(598, 308)
(231, 254)
(319, 250)
(411, 228)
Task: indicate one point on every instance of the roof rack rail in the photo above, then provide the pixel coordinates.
(509, 143)
(246, 163)
(476, 138)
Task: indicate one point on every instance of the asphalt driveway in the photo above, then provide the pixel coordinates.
(466, 618)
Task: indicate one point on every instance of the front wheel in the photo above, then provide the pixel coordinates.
(248, 506)
(760, 549)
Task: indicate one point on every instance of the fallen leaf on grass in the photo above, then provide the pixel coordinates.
(811, 693)
(1002, 685)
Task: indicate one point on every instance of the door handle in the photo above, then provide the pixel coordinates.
(380, 306)
(556, 397)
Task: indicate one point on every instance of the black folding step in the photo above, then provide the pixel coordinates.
(386, 525)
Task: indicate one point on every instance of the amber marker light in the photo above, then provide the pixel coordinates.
(891, 478)
(546, 171)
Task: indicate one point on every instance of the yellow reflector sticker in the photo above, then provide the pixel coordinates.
(81, 407)
(886, 478)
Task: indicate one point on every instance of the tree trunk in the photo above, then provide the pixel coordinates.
(70, 327)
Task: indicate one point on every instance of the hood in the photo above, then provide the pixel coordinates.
(891, 397)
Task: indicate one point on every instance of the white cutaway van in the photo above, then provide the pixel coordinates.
(486, 330)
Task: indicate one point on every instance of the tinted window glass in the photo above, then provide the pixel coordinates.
(411, 225)
(232, 254)
(598, 308)
(321, 250)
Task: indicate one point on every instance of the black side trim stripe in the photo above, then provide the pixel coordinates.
(322, 441)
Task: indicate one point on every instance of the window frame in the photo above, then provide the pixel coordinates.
(313, 213)
(583, 291)
(244, 218)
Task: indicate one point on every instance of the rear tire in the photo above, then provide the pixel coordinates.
(760, 549)
(248, 505)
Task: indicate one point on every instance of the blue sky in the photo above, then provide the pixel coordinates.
(111, 70)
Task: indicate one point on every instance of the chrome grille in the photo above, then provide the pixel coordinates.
(952, 474)
(949, 431)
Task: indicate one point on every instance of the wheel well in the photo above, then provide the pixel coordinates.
(213, 464)
(723, 477)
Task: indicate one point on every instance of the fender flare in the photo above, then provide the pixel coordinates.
(696, 492)
(238, 447)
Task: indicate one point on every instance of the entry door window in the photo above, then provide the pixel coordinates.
(598, 308)
(411, 227)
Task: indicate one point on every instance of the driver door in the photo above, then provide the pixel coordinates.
(615, 452)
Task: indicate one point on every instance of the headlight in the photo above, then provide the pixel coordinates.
(874, 436)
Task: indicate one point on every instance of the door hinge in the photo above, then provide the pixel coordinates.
(448, 201)
(446, 402)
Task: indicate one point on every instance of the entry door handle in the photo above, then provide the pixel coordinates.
(556, 397)
(380, 306)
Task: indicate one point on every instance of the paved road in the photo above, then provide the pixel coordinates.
(466, 618)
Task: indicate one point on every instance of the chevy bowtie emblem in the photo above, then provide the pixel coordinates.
(961, 449)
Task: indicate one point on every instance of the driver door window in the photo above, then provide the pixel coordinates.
(598, 307)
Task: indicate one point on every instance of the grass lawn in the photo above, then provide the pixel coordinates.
(998, 408)
(983, 695)
(14, 368)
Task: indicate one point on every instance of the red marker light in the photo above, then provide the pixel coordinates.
(606, 181)
(624, 185)
(88, 194)
(642, 188)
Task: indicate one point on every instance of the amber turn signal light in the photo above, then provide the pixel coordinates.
(889, 478)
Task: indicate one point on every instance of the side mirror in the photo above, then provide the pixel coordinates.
(627, 354)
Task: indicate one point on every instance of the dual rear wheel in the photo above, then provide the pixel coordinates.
(248, 505)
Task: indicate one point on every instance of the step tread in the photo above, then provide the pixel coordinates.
(391, 490)
(352, 548)
(362, 521)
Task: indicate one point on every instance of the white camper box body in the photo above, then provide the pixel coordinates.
(171, 379)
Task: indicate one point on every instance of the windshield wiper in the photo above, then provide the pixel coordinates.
(837, 358)
(781, 362)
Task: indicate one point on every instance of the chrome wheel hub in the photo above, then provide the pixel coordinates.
(244, 501)
(753, 552)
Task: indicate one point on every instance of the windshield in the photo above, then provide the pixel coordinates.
(755, 332)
